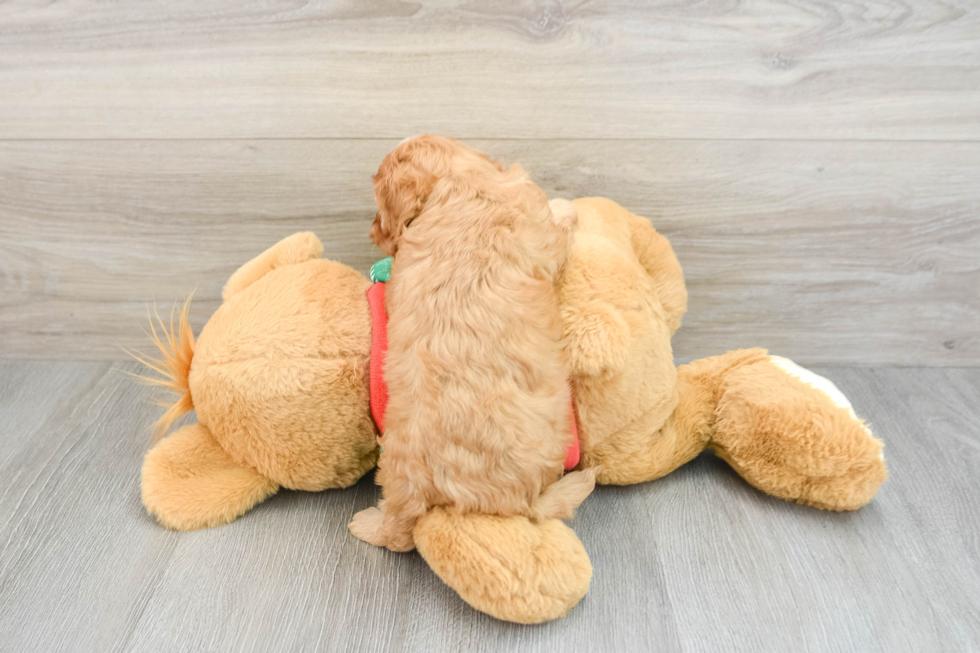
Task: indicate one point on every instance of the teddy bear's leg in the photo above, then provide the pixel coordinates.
(648, 451)
(293, 249)
(507, 567)
(792, 434)
(189, 482)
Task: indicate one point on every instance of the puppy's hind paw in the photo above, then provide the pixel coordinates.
(366, 525)
(564, 213)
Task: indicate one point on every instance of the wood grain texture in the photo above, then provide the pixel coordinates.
(697, 561)
(891, 69)
(826, 252)
(77, 556)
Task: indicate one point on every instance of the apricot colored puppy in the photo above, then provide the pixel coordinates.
(478, 412)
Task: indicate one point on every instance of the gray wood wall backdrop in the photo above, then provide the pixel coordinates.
(815, 163)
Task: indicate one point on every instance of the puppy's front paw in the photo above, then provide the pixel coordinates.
(366, 526)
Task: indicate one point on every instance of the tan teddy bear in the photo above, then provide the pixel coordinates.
(279, 378)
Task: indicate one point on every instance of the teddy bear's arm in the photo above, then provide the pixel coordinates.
(658, 259)
(596, 335)
(297, 248)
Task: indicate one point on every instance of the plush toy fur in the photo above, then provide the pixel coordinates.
(279, 380)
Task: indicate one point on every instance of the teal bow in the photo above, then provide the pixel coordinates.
(381, 271)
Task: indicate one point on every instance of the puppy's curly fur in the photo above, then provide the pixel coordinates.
(477, 417)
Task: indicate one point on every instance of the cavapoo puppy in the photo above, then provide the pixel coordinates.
(478, 415)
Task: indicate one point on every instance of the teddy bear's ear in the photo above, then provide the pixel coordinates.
(189, 482)
(297, 248)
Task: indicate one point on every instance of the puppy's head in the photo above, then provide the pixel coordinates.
(407, 179)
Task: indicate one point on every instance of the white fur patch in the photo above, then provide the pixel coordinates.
(822, 384)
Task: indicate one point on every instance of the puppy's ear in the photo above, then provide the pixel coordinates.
(413, 190)
(401, 190)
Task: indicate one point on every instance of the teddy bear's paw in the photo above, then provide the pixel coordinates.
(507, 567)
(793, 434)
(823, 384)
(597, 339)
(190, 482)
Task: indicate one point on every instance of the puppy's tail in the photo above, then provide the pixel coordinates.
(561, 498)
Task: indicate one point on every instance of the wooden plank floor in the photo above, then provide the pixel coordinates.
(698, 561)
